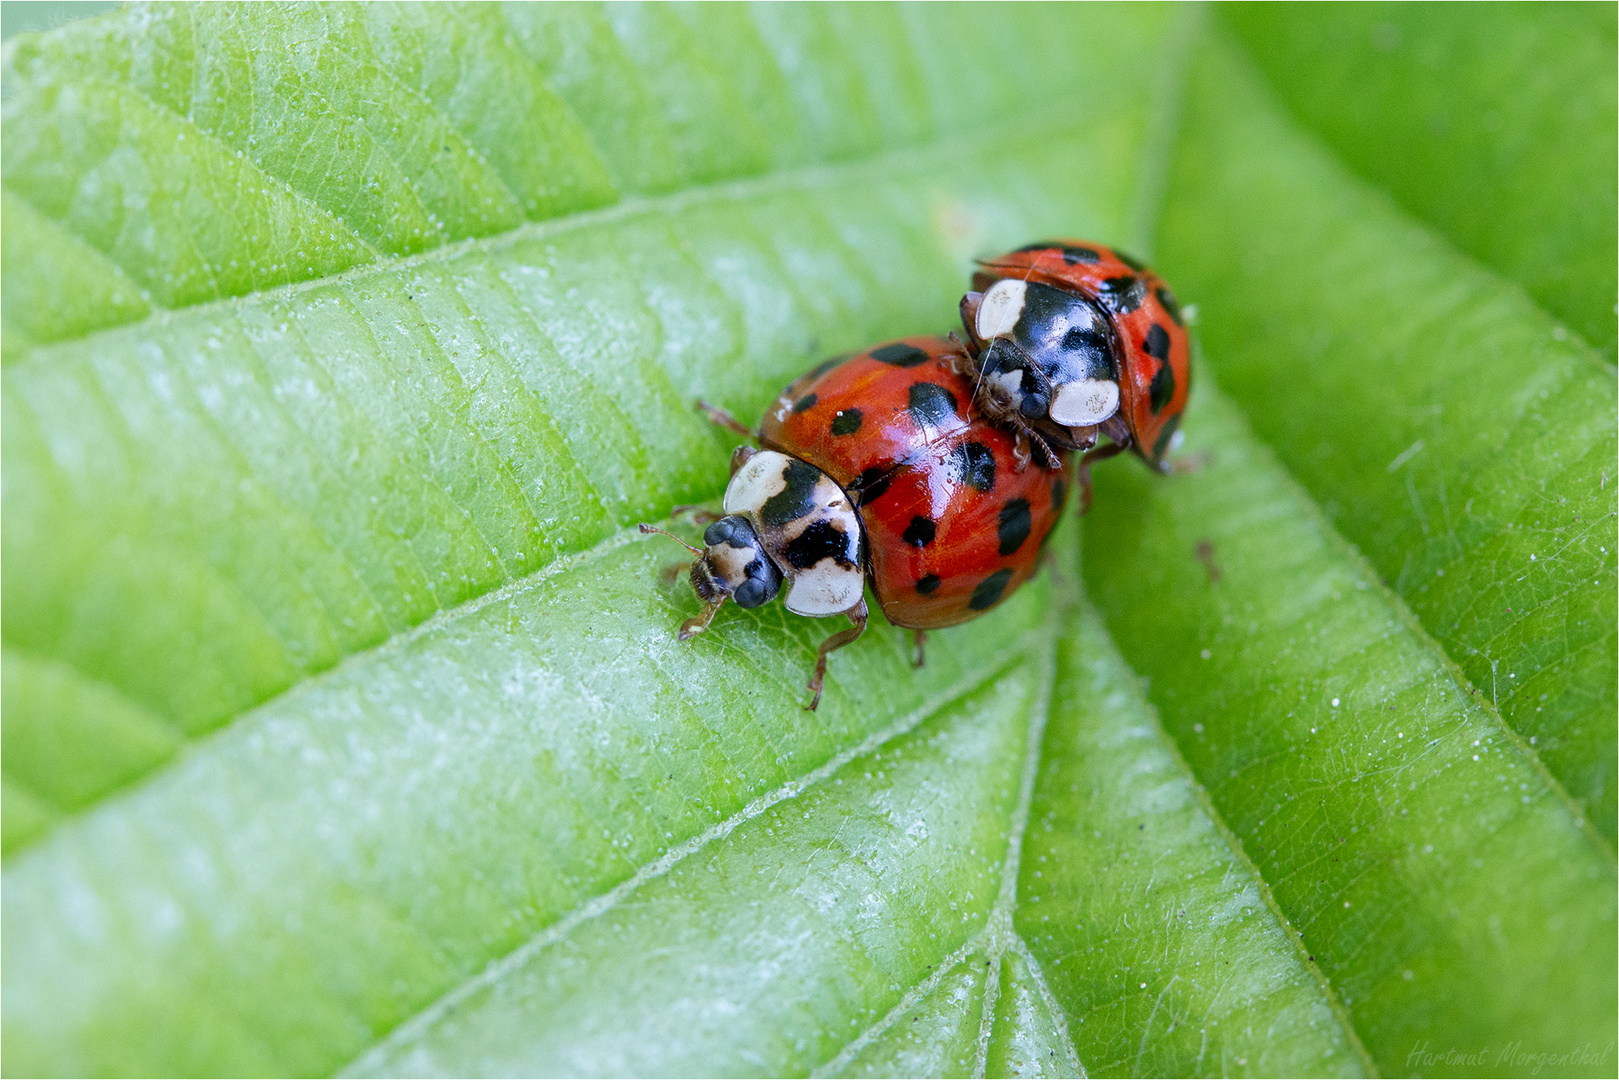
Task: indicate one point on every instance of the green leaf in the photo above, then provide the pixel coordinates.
(345, 728)
(1500, 129)
(1384, 805)
(1449, 427)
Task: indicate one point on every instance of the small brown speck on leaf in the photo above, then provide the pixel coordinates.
(1205, 555)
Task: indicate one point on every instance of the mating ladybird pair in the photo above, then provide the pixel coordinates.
(909, 464)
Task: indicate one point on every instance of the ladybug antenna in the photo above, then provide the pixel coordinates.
(665, 532)
(1053, 462)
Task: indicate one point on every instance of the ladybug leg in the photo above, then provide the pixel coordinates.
(857, 615)
(969, 318)
(726, 420)
(1020, 448)
(960, 363)
(1101, 453)
(917, 638)
(698, 623)
(1052, 462)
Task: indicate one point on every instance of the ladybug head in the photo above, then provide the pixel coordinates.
(735, 564)
(1045, 354)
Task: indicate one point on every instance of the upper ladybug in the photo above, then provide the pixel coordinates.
(1073, 339)
(877, 469)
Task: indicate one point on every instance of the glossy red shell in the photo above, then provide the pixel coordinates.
(1155, 360)
(952, 528)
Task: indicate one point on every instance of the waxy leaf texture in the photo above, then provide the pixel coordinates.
(344, 725)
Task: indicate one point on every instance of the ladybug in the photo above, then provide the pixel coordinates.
(1073, 340)
(876, 468)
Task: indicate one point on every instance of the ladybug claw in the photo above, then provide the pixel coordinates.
(1020, 450)
(698, 623)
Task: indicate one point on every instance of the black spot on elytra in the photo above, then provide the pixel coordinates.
(1162, 442)
(794, 500)
(988, 593)
(974, 463)
(822, 540)
(920, 532)
(869, 486)
(846, 422)
(804, 403)
(1059, 496)
(1157, 343)
(931, 404)
(1163, 387)
(1167, 301)
(926, 585)
(1123, 294)
(1014, 525)
(900, 355)
(1135, 264)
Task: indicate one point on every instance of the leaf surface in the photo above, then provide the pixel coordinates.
(288, 479)
(344, 725)
(1390, 812)
(1500, 129)
(1447, 425)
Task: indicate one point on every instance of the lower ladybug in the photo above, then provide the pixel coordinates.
(877, 468)
(1074, 340)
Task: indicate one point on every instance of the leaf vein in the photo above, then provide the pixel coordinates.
(376, 1058)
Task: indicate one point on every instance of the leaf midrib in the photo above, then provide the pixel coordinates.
(1157, 149)
(996, 938)
(755, 184)
(998, 932)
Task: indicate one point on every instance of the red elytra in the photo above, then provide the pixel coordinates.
(953, 527)
(1151, 345)
(877, 470)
